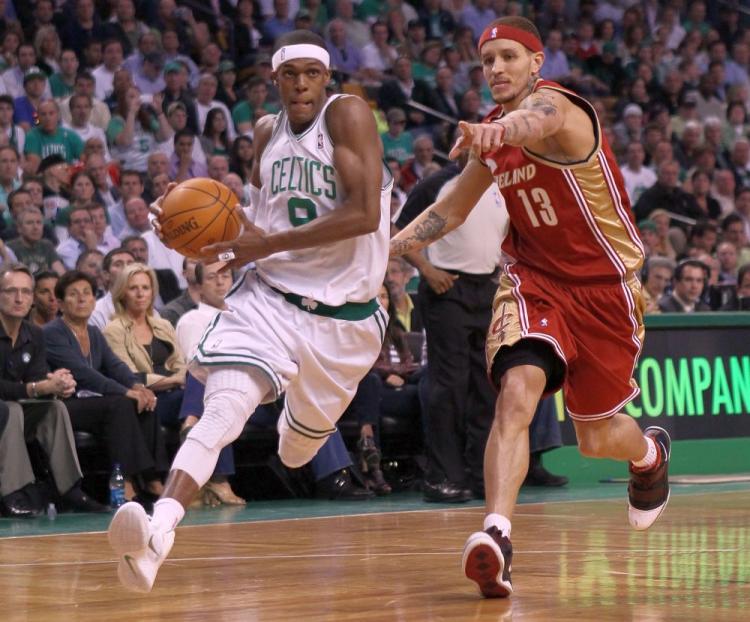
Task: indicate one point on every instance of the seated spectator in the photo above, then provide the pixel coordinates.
(27, 105)
(400, 303)
(80, 121)
(135, 129)
(404, 87)
(190, 297)
(278, 23)
(18, 202)
(177, 90)
(147, 343)
(24, 377)
(13, 78)
(215, 138)
(49, 138)
(246, 36)
(111, 403)
(136, 216)
(241, 158)
(105, 240)
(81, 237)
(218, 167)
(378, 56)
(664, 246)
(148, 76)
(90, 263)
(15, 134)
(703, 236)
(45, 308)
(82, 193)
(62, 82)
(131, 187)
(205, 101)
(246, 112)
(555, 65)
(446, 97)
(733, 230)
(226, 93)
(689, 282)
(667, 194)
(182, 165)
(30, 248)
(56, 179)
(741, 299)
(727, 255)
(739, 162)
(742, 208)
(700, 188)
(417, 167)
(177, 122)
(346, 57)
(638, 178)
(168, 286)
(112, 264)
(657, 275)
(84, 85)
(398, 143)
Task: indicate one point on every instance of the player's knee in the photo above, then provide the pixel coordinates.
(514, 408)
(223, 419)
(296, 450)
(590, 444)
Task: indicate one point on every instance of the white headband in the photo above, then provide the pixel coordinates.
(300, 50)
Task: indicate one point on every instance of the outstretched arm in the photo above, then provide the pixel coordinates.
(542, 115)
(445, 214)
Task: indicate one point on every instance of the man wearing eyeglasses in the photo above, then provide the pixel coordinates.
(29, 408)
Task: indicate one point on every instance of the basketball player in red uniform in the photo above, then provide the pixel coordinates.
(568, 310)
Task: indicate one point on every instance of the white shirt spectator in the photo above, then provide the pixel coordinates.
(91, 131)
(637, 181)
(160, 257)
(104, 82)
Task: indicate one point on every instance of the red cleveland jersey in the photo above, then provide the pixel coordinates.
(570, 221)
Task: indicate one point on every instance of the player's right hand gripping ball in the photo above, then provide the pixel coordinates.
(199, 212)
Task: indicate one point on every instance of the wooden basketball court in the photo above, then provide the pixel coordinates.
(574, 561)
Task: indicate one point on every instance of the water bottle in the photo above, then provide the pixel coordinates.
(116, 487)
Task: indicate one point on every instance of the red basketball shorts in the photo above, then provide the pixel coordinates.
(597, 331)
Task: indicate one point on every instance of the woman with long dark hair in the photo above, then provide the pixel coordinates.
(215, 140)
(241, 158)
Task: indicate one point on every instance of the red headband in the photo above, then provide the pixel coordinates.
(525, 38)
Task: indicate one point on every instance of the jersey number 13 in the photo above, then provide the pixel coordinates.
(538, 206)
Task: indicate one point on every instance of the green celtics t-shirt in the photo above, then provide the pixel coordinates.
(63, 141)
(401, 148)
(241, 113)
(39, 257)
(59, 88)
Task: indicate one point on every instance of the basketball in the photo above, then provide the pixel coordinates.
(196, 213)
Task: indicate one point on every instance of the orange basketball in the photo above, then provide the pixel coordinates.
(196, 213)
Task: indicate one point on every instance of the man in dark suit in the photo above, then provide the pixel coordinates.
(403, 87)
(689, 281)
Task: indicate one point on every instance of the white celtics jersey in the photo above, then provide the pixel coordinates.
(300, 183)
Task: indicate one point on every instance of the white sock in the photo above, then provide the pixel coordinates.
(168, 512)
(651, 456)
(499, 521)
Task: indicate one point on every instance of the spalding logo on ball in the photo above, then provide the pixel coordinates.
(199, 212)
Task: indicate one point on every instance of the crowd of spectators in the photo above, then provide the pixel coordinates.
(103, 103)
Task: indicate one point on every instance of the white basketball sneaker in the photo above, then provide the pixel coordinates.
(141, 548)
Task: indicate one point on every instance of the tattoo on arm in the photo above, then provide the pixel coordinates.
(428, 231)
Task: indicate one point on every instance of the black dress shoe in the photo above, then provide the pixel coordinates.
(78, 501)
(15, 509)
(539, 476)
(445, 492)
(338, 486)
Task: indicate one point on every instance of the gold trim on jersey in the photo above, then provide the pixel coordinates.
(601, 205)
(505, 327)
(589, 110)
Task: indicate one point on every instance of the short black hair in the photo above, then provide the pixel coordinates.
(107, 261)
(45, 274)
(199, 273)
(7, 99)
(689, 263)
(730, 219)
(299, 36)
(70, 277)
(127, 240)
(86, 254)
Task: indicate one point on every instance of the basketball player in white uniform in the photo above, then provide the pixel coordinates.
(306, 321)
